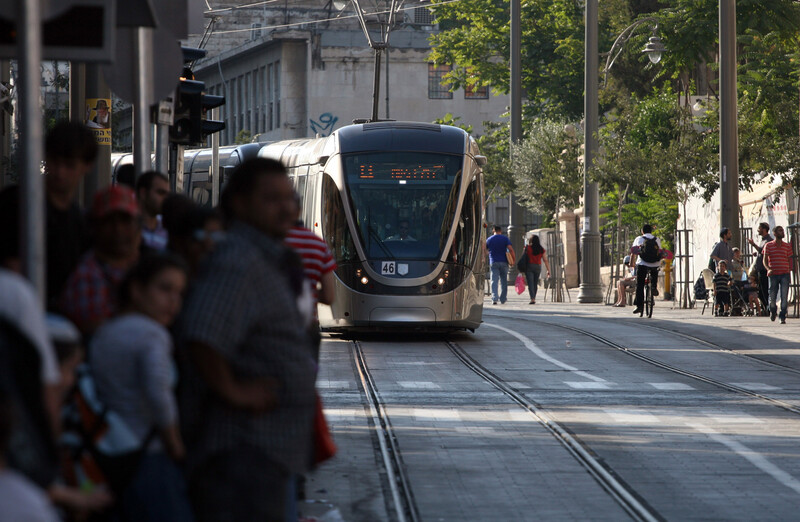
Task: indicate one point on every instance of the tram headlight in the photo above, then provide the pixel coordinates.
(440, 281)
(364, 280)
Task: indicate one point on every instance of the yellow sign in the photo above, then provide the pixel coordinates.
(98, 119)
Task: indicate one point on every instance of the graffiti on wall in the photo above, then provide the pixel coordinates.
(324, 124)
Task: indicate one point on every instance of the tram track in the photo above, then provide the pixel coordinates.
(680, 371)
(718, 347)
(623, 494)
(399, 486)
(402, 496)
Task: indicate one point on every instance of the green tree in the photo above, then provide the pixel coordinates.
(244, 137)
(493, 144)
(546, 167)
(475, 40)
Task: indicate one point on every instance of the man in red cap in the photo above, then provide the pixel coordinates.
(89, 295)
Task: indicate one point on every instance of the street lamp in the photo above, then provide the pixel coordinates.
(654, 49)
(591, 290)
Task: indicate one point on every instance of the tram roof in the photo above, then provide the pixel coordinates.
(402, 135)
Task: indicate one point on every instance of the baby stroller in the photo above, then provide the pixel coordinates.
(740, 304)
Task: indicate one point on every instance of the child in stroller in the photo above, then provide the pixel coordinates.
(751, 295)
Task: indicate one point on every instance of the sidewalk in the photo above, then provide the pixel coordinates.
(666, 314)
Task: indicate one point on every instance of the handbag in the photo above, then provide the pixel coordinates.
(522, 264)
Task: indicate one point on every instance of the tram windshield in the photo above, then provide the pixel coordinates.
(403, 202)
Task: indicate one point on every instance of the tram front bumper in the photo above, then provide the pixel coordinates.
(417, 315)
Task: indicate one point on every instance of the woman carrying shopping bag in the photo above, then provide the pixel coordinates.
(535, 256)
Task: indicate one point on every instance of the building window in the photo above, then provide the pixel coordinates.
(436, 89)
(423, 16)
(475, 92)
(277, 94)
(255, 31)
(270, 96)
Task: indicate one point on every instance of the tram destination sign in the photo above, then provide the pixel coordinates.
(394, 171)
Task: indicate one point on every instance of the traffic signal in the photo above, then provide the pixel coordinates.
(211, 101)
(191, 127)
(186, 128)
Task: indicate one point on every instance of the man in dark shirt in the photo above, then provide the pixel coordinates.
(763, 278)
(70, 153)
(247, 397)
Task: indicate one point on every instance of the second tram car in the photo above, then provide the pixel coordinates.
(401, 205)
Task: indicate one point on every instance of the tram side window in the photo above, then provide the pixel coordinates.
(468, 231)
(335, 229)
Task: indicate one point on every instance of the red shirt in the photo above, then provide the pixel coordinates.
(317, 258)
(535, 259)
(779, 257)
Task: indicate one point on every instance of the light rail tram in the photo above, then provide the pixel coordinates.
(401, 205)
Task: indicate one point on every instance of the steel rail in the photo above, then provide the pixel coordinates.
(655, 362)
(402, 496)
(625, 496)
(720, 348)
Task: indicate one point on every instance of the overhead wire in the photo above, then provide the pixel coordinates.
(237, 7)
(308, 22)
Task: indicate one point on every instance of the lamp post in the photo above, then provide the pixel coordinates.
(591, 290)
(728, 124)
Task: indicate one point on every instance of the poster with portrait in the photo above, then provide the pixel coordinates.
(98, 119)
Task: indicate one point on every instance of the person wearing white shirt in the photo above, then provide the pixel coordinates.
(646, 255)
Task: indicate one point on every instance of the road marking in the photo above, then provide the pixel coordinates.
(530, 345)
(627, 416)
(588, 385)
(340, 414)
(670, 386)
(755, 458)
(437, 414)
(731, 417)
(475, 430)
(419, 385)
(760, 386)
(519, 385)
(334, 384)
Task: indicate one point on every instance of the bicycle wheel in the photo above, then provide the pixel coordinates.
(648, 301)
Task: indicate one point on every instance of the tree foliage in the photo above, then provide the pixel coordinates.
(654, 152)
(546, 167)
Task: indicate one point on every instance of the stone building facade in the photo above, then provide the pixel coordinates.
(292, 71)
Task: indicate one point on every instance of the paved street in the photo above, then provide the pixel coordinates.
(591, 414)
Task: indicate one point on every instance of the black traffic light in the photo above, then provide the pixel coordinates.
(187, 120)
(211, 101)
(190, 126)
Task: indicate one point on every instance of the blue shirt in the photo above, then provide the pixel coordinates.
(497, 245)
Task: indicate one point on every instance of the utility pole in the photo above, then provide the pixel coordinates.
(728, 122)
(143, 51)
(97, 93)
(33, 246)
(590, 291)
(516, 231)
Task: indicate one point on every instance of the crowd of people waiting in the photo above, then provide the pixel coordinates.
(197, 328)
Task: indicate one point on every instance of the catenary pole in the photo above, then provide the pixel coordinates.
(728, 124)
(591, 290)
(515, 226)
(31, 144)
(143, 50)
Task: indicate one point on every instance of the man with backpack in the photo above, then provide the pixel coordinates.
(646, 255)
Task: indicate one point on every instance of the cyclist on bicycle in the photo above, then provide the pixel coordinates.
(646, 255)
